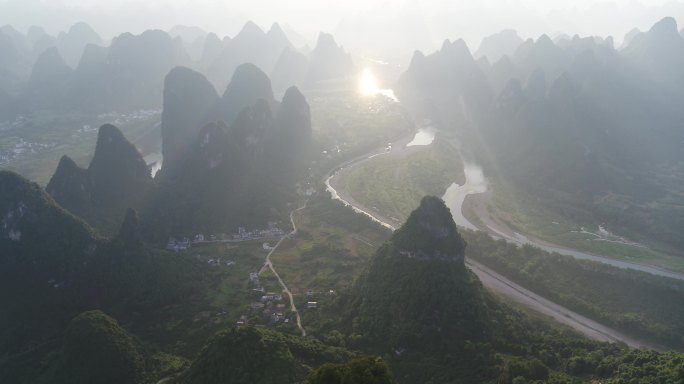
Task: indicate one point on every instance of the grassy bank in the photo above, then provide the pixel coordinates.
(522, 215)
(394, 184)
(635, 302)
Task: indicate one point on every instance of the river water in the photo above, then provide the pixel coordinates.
(424, 136)
(455, 195)
(477, 183)
(154, 161)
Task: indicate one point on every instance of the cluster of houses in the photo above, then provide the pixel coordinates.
(269, 232)
(18, 122)
(119, 118)
(270, 305)
(266, 308)
(311, 295)
(178, 245)
(272, 231)
(21, 149)
(217, 263)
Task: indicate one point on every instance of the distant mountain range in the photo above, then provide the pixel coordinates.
(77, 71)
(590, 131)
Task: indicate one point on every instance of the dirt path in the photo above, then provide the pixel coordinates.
(269, 264)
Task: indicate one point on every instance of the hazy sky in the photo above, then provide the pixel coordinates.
(425, 23)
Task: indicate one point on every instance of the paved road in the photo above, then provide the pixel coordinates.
(518, 294)
(269, 264)
(548, 247)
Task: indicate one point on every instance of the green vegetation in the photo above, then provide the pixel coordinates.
(73, 135)
(650, 310)
(97, 350)
(258, 356)
(54, 267)
(635, 302)
(394, 184)
(532, 349)
(430, 232)
(432, 322)
(428, 317)
(525, 215)
(419, 302)
(116, 179)
(244, 356)
(368, 370)
(332, 247)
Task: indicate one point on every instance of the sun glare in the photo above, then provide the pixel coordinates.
(368, 85)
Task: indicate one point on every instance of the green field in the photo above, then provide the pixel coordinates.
(394, 184)
(524, 216)
(73, 135)
(332, 246)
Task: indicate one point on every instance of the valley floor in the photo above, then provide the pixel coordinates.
(483, 210)
(490, 279)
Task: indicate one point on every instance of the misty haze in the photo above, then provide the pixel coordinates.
(416, 191)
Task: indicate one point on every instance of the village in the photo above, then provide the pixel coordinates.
(264, 309)
(269, 309)
(262, 303)
(122, 118)
(178, 244)
(22, 149)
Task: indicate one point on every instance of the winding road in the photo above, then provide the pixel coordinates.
(488, 277)
(529, 299)
(548, 247)
(269, 264)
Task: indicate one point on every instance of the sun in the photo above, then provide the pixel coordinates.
(368, 85)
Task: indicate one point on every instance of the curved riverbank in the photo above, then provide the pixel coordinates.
(496, 228)
(476, 183)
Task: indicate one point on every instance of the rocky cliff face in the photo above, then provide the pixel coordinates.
(188, 98)
(116, 179)
(430, 234)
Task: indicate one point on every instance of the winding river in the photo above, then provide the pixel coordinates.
(476, 182)
(455, 195)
